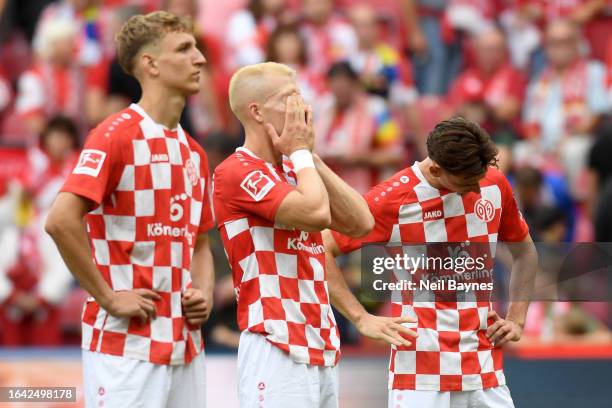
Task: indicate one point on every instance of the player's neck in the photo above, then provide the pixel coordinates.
(258, 144)
(425, 167)
(164, 109)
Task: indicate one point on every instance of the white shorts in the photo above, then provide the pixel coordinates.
(269, 378)
(497, 397)
(118, 382)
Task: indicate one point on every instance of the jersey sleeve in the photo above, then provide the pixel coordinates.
(384, 209)
(207, 220)
(98, 169)
(243, 187)
(512, 226)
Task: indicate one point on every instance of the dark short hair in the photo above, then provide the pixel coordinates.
(461, 147)
(64, 124)
(342, 69)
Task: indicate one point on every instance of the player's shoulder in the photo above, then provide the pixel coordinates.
(120, 126)
(396, 189)
(494, 176)
(241, 160)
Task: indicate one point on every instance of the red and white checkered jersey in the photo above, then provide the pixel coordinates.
(150, 189)
(278, 271)
(451, 352)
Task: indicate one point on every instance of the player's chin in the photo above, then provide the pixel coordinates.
(191, 88)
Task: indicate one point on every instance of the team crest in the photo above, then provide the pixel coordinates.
(484, 210)
(192, 172)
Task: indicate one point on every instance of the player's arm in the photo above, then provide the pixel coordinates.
(524, 268)
(198, 300)
(350, 214)
(307, 207)
(389, 329)
(66, 226)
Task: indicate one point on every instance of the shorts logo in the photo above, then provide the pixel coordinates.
(484, 210)
(90, 162)
(257, 184)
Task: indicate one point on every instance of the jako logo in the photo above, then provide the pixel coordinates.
(435, 214)
(159, 158)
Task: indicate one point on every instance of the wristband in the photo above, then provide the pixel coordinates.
(301, 159)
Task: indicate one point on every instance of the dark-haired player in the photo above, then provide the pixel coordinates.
(454, 195)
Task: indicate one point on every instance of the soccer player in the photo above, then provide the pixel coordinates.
(270, 214)
(142, 186)
(455, 195)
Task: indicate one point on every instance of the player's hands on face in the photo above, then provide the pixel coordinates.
(297, 132)
(133, 303)
(196, 306)
(389, 329)
(503, 330)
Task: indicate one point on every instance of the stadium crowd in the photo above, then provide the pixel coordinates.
(536, 74)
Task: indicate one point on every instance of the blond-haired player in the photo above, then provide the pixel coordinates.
(272, 198)
(141, 185)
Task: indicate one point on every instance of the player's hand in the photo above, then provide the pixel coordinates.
(196, 306)
(503, 330)
(297, 133)
(389, 329)
(133, 303)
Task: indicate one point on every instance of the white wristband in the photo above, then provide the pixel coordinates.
(301, 159)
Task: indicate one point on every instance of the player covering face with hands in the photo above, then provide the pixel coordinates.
(272, 198)
(131, 222)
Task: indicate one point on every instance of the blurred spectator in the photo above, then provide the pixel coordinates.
(108, 87)
(330, 38)
(356, 135)
(600, 181)
(6, 96)
(34, 279)
(249, 29)
(204, 107)
(564, 103)
(491, 93)
(381, 68)
(55, 84)
(287, 46)
(91, 20)
(536, 192)
(590, 15)
(438, 64)
(16, 15)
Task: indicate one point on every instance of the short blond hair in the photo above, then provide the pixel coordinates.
(143, 30)
(251, 83)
